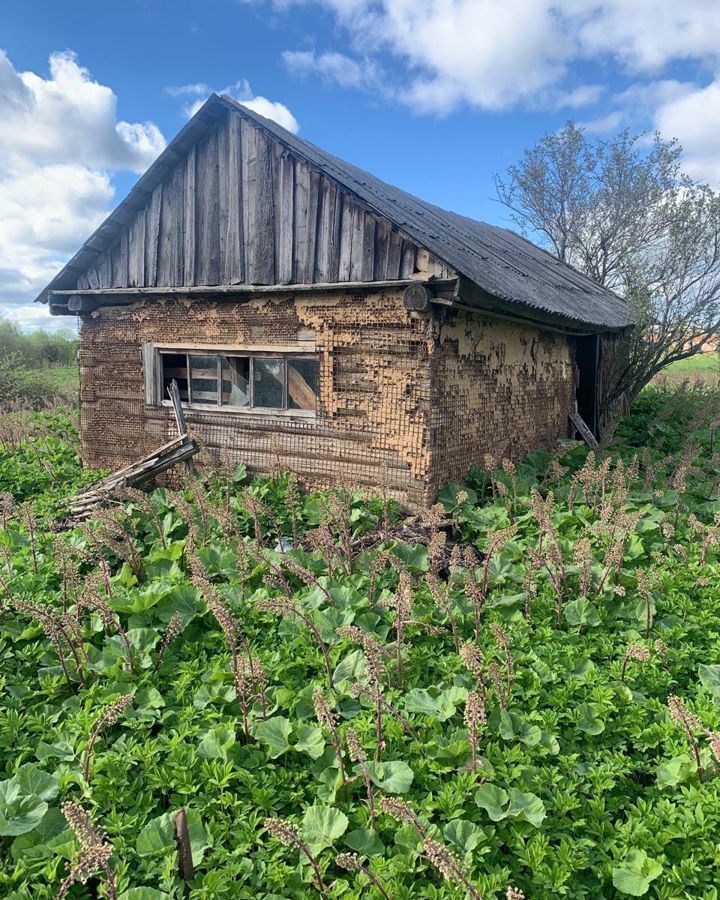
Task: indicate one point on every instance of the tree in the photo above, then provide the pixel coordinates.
(622, 212)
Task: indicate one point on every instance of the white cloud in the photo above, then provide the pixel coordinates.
(495, 55)
(196, 94)
(335, 67)
(693, 117)
(60, 142)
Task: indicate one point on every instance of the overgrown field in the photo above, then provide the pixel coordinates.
(516, 693)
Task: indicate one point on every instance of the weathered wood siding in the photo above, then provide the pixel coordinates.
(239, 208)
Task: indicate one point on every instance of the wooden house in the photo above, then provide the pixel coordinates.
(319, 320)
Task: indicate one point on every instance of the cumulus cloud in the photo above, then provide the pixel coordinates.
(197, 93)
(60, 142)
(693, 116)
(496, 55)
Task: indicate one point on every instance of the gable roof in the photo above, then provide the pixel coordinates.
(499, 261)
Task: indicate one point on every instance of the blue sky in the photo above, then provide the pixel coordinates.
(432, 95)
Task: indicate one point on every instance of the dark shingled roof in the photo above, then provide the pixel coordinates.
(499, 261)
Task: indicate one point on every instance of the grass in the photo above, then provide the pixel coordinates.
(703, 368)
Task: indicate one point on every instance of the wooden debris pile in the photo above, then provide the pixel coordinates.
(176, 451)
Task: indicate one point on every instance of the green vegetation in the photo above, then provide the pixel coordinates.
(36, 368)
(703, 367)
(523, 692)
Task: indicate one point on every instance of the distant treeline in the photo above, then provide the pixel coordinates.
(38, 348)
(36, 367)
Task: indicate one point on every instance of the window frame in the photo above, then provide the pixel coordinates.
(284, 353)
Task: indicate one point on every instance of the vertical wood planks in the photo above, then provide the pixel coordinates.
(136, 251)
(233, 271)
(241, 208)
(284, 198)
(152, 237)
(327, 261)
(207, 212)
(189, 231)
(307, 191)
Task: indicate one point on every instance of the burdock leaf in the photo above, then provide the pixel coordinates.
(526, 806)
(322, 825)
(634, 874)
(275, 733)
(393, 776)
(493, 800)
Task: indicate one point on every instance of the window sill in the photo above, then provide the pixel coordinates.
(240, 411)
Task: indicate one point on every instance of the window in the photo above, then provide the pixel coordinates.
(261, 381)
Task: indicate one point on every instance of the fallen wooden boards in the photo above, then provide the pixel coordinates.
(181, 449)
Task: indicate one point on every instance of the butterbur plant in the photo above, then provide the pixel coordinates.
(375, 667)
(61, 632)
(691, 724)
(249, 677)
(438, 854)
(351, 863)
(634, 651)
(327, 717)
(475, 717)
(289, 835)
(174, 627)
(93, 854)
(290, 609)
(357, 755)
(109, 717)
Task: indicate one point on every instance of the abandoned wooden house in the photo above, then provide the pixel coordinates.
(319, 320)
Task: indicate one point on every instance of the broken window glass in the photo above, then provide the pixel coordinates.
(303, 380)
(269, 383)
(235, 381)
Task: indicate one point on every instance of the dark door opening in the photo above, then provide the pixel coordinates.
(587, 361)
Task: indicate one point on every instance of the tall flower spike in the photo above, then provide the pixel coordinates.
(94, 851)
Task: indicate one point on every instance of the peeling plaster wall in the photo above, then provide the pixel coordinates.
(498, 388)
(371, 426)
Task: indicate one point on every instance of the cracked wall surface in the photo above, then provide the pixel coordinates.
(400, 409)
(370, 427)
(499, 388)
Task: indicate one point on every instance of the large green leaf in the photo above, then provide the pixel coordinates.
(588, 718)
(322, 826)
(158, 836)
(365, 842)
(634, 874)
(393, 776)
(217, 742)
(143, 893)
(581, 612)
(310, 740)
(493, 800)
(514, 727)
(676, 770)
(710, 678)
(23, 800)
(526, 806)
(465, 835)
(275, 733)
(439, 703)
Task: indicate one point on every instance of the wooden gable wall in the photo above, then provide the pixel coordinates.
(241, 209)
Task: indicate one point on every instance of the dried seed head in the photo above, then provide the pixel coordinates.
(285, 832)
(473, 659)
(637, 652)
(357, 754)
(94, 851)
(682, 716)
(113, 712)
(348, 861)
(399, 810)
(514, 894)
(475, 712)
(325, 714)
(441, 858)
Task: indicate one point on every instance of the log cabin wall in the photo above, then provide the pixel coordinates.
(497, 388)
(371, 423)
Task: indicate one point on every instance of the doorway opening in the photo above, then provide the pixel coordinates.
(587, 367)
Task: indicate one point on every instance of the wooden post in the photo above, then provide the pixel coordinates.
(186, 870)
(174, 392)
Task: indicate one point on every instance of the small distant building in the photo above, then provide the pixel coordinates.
(319, 320)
